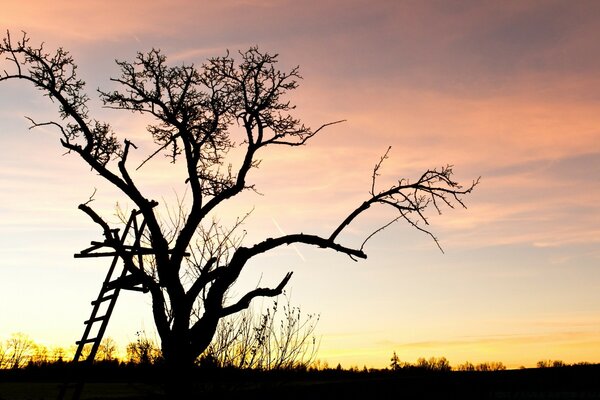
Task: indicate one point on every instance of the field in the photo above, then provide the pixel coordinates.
(581, 382)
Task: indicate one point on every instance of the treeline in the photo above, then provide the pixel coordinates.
(239, 345)
(442, 364)
(20, 350)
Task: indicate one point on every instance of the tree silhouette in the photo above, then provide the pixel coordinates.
(19, 350)
(107, 351)
(143, 351)
(195, 112)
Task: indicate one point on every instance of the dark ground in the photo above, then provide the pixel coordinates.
(118, 382)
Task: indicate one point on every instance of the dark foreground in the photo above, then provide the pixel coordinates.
(117, 382)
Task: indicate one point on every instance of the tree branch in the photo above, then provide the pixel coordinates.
(109, 234)
(314, 240)
(205, 278)
(244, 302)
(411, 198)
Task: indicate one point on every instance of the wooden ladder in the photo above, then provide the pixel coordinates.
(104, 305)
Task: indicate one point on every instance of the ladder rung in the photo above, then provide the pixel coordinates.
(86, 341)
(103, 299)
(97, 245)
(91, 255)
(92, 320)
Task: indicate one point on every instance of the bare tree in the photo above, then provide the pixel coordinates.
(19, 350)
(143, 351)
(281, 337)
(107, 351)
(57, 354)
(485, 366)
(196, 111)
(433, 364)
(3, 355)
(39, 355)
(395, 364)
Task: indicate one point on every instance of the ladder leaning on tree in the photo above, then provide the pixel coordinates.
(103, 306)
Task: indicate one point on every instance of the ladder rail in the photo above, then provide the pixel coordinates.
(97, 304)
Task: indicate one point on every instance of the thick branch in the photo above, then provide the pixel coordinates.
(123, 161)
(244, 302)
(159, 313)
(108, 233)
(271, 243)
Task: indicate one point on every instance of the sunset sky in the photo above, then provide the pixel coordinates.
(505, 90)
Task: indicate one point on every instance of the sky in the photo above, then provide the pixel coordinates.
(508, 91)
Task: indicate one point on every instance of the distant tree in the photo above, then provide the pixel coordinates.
(485, 366)
(197, 113)
(107, 351)
(19, 350)
(441, 364)
(582, 363)
(433, 364)
(39, 355)
(58, 354)
(551, 364)
(395, 362)
(491, 366)
(467, 366)
(143, 350)
(318, 365)
(3, 355)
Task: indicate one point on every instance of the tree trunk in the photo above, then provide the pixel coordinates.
(178, 365)
(177, 352)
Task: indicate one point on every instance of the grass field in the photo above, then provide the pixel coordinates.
(547, 383)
